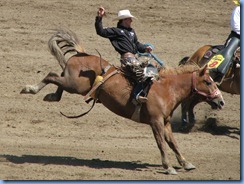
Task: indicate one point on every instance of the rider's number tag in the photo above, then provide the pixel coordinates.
(215, 61)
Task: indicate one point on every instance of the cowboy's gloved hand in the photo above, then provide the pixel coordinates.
(101, 11)
(149, 49)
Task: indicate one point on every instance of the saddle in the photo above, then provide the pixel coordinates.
(216, 48)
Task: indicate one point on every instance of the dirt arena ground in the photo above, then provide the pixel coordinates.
(37, 143)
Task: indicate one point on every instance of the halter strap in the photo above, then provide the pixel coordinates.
(209, 96)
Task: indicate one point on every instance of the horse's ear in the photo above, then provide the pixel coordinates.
(203, 70)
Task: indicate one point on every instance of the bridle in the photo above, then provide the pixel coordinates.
(209, 96)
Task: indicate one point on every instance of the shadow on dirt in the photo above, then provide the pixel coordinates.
(211, 126)
(71, 161)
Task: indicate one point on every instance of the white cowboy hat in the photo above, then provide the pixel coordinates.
(123, 14)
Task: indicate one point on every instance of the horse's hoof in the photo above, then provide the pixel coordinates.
(170, 171)
(52, 97)
(188, 166)
(28, 90)
(24, 91)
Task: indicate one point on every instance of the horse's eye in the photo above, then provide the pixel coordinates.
(208, 83)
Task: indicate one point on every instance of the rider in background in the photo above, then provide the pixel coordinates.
(235, 22)
(231, 44)
(124, 40)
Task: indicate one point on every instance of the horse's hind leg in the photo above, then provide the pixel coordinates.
(34, 89)
(173, 145)
(54, 97)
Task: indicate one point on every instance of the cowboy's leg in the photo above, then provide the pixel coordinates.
(134, 65)
(225, 56)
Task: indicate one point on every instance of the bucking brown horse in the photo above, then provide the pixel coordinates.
(114, 91)
(230, 84)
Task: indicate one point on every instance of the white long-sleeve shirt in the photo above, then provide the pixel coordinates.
(235, 20)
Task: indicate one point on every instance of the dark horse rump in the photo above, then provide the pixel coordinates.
(213, 62)
(229, 84)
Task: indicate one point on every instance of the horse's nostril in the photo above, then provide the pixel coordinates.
(222, 103)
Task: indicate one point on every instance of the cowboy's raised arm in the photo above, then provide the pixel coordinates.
(104, 32)
(101, 11)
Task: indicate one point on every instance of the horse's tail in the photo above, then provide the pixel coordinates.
(183, 61)
(63, 45)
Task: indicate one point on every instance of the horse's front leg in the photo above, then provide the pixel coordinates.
(185, 115)
(158, 132)
(173, 145)
(184, 109)
(191, 116)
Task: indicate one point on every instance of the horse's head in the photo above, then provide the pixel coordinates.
(204, 86)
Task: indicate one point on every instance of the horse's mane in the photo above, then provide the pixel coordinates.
(178, 70)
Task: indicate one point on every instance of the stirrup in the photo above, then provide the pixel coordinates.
(141, 99)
